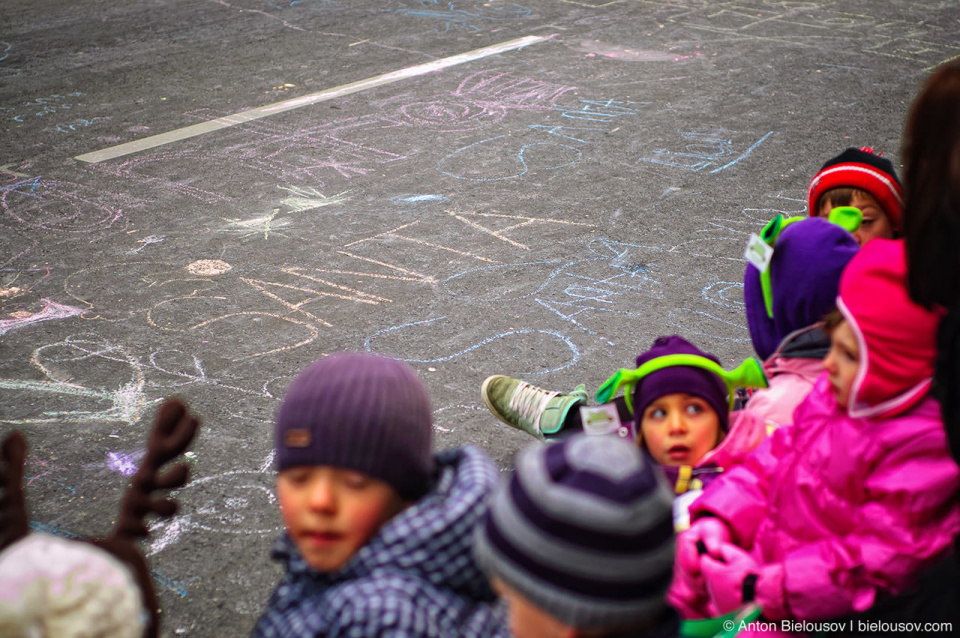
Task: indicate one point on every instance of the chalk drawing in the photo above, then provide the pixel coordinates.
(208, 267)
(26, 279)
(301, 200)
(146, 241)
(44, 106)
(484, 161)
(286, 24)
(728, 294)
(120, 400)
(314, 98)
(240, 502)
(51, 311)
(501, 90)
(418, 199)
(445, 423)
(187, 369)
(707, 149)
(76, 125)
(392, 233)
(5, 50)
(621, 279)
(447, 115)
(592, 3)
(406, 274)
(56, 206)
(10, 173)
(808, 24)
(140, 170)
(125, 464)
(600, 110)
(574, 352)
(304, 199)
(521, 222)
(703, 321)
(454, 17)
(238, 341)
(519, 281)
(622, 53)
(265, 225)
(273, 290)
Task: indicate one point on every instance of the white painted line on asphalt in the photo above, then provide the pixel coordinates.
(328, 94)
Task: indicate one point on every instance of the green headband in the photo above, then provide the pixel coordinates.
(748, 374)
(846, 217)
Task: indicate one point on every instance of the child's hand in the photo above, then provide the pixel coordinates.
(688, 592)
(688, 595)
(705, 536)
(736, 578)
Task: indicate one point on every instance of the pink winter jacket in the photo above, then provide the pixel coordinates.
(790, 382)
(849, 507)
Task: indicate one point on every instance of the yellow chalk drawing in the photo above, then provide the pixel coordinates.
(411, 275)
(257, 225)
(208, 267)
(303, 199)
(524, 221)
(393, 233)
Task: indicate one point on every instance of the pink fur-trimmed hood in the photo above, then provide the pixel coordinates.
(896, 337)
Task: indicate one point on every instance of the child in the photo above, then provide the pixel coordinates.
(853, 499)
(378, 531)
(680, 400)
(70, 588)
(863, 180)
(677, 405)
(809, 256)
(578, 542)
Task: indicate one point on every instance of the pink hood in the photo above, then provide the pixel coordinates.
(896, 337)
(851, 508)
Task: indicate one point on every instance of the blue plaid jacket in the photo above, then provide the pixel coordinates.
(416, 577)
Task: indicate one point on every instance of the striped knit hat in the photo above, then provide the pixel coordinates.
(860, 168)
(361, 412)
(584, 531)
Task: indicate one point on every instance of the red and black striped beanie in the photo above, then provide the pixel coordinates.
(860, 168)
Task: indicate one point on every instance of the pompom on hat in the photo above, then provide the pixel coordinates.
(361, 412)
(860, 168)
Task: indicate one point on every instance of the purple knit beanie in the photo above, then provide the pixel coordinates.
(360, 412)
(675, 379)
(808, 259)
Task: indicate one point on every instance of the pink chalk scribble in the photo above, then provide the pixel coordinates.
(52, 310)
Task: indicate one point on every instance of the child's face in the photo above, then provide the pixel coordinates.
(679, 429)
(842, 362)
(875, 221)
(330, 512)
(526, 619)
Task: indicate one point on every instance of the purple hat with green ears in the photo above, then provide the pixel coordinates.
(674, 365)
(800, 284)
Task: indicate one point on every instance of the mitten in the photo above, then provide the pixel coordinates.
(688, 595)
(706, 535)
(737, 579)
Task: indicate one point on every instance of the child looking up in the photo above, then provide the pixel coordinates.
(859, 178)
(578, 542)
(378, 531)
(853, 499)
